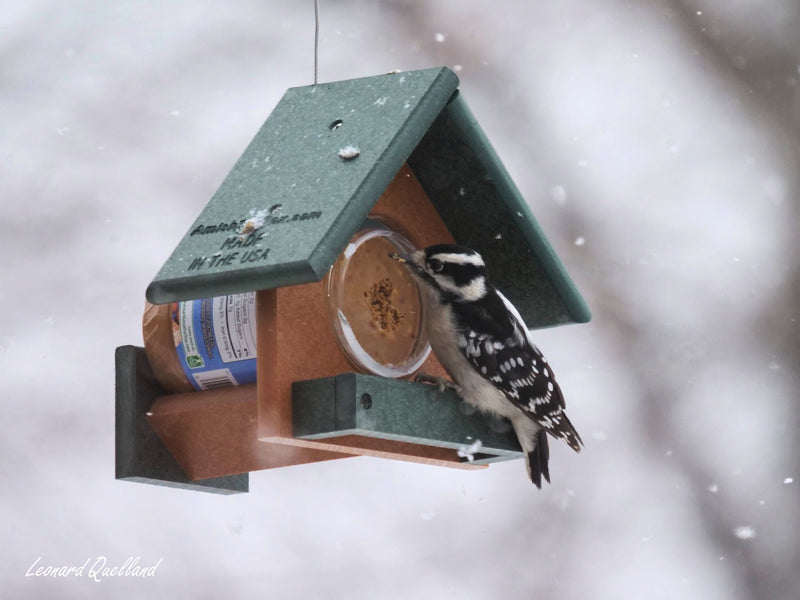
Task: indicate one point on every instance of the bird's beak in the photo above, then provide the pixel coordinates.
(399, 258)
(412, 263)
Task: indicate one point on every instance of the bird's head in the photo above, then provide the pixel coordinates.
(457, 273)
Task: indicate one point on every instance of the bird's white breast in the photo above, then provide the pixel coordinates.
(477, 390)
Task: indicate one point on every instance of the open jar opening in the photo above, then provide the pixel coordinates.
(375, 305)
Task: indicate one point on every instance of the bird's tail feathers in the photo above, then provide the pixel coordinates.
(538, 460)
(533, 440)
(567, 432)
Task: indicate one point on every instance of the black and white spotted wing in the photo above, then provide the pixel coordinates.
(506, 356)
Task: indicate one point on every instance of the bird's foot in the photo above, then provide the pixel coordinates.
(442, 384)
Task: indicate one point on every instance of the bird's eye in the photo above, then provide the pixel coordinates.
(436, 265)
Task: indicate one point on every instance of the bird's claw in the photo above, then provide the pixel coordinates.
(442, 384)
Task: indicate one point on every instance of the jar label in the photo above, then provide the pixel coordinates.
(217, 344)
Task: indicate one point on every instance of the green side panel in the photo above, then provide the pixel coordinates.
(482, 207)
(292, 179)
(140, 454)
(399, 410)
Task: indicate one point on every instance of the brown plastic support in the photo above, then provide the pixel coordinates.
(215, 433)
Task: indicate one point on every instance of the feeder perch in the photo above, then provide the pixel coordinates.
(398, 153)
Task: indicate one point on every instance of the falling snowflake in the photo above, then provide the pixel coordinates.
(744, 532)
(559, 195)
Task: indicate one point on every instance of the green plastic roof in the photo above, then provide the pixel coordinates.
(319, 164)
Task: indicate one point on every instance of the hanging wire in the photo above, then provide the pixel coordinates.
(316, 39)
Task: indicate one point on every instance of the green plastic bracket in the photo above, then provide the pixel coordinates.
(392, 409)
(140, 455)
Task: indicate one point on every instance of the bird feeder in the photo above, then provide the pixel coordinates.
(338, 176)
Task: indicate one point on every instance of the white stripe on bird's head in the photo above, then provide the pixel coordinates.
(474, 290)
(459, 258)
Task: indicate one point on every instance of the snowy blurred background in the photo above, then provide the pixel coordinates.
(658, 144)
